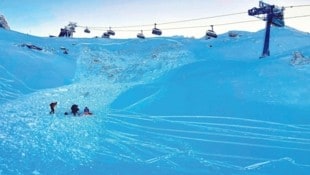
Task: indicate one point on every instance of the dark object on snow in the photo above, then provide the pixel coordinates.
(3, 23)
(65, 50)
(74, 109)
(299, 59)
(86, 109)
(87, 112)
(232, 34)
(68, 30)
(52, 106)
(31, 46)
(66, 113)
(65, 33)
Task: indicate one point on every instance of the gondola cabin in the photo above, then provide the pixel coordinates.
(156, 31)
(111, 32)
(105, 35)
(211, 34)
(140, 35)
(87, 30)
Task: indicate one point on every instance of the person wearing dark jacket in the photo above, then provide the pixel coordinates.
(86, 111)
(52, 106)
(74, 109)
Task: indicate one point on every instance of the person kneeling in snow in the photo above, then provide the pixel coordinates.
(74, 109)
(86, 111)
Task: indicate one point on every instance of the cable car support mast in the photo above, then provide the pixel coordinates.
(274, 17)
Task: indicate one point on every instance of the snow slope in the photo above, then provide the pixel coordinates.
(162, 105)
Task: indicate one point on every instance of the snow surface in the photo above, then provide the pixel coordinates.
(161, 105)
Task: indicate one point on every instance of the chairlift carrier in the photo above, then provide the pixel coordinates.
(87, 30)
(110, 32)
(211, 33)
(140, 35)
(156, 31)
(105, 35)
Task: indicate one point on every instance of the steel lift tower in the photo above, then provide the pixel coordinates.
(274, 16)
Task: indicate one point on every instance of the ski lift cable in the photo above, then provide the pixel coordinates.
(287, 18)
(301, 16)
(197, 19)
(165, 23)
(182, 21)
(202, 26)
(292, 6)
(220, 24)
(188, 20)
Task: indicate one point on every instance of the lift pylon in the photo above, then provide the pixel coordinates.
(274, 17)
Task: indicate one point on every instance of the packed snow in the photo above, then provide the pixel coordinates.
(162, 105)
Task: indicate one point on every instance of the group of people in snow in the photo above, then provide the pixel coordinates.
(74, 110)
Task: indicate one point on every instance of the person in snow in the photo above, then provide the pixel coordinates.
(52, 106)
(74, 109)
(86, 111)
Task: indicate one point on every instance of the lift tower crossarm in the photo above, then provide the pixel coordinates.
(263, 9)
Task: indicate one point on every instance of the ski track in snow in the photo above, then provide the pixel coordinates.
(147, 139)
(32, 141)
(7, 90)
(155, 127)
(34, 137)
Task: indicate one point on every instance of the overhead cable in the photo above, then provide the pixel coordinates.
(139, 27)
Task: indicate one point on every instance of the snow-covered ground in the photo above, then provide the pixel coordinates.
(161, 105)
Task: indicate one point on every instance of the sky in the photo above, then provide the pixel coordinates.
(45, 17)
